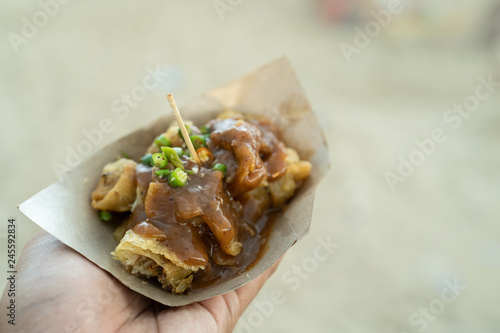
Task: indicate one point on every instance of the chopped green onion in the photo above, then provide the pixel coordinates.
(162, 141)
(198, 141)
(221, 167)
(173, 157)
(204, 129)
(160, 160)
(188, 129)
(178, 178)
(162, 173)
(104, 215)
(147, 159)
(178, 150)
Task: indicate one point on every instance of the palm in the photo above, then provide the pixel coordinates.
(60, 290)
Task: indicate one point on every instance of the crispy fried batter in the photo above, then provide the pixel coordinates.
(116, 188)
(284, 188)
(256, 202)
(145, 256)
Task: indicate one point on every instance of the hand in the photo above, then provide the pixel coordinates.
(58, 290)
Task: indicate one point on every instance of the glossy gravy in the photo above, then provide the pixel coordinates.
(199, 221)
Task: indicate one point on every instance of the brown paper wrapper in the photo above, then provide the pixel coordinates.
(63, 209)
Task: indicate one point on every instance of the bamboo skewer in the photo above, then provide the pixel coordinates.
(183, 129)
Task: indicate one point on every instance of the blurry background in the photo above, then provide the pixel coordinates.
(397, 252)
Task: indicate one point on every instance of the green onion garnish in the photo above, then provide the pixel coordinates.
(220, 167)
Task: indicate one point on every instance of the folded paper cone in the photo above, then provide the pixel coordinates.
(63, 209)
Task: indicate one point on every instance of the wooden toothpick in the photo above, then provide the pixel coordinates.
(184, 131)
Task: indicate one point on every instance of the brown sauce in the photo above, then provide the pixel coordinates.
(273, 150)
(254, 248)
(244, 140)
(143, 176)
(171, 209)
(203, 220)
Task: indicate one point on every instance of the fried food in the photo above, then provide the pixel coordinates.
(116, 188)
(284, 188)
(144, 256)
(190, 225)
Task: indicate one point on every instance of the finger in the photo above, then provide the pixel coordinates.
(228, 308)
(248, 292)
(40, 246)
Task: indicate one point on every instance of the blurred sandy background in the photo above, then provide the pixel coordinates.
(396, 249)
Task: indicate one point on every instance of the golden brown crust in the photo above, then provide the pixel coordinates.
(284, 188)
(145, 256)
(116, 188)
